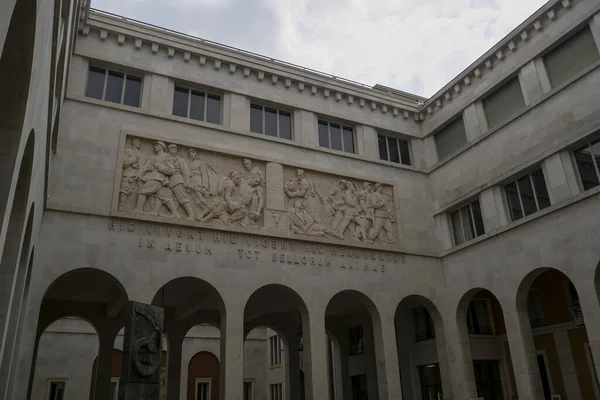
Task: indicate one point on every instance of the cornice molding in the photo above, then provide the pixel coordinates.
(264, 69)
(519, 37)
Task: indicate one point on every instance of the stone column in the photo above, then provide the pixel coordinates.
(292, 376)
(461, 372)
(567, 365)
(315, 355)
(522, 353)
(404, 342)
(175, 343)
(386, 354)
(106, 339)
(374, 380)
(275, 215)
(232, 353)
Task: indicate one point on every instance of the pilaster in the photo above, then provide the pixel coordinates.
(156, 91)
(315, 359)
(388, 371)
(567, 365)
(369, 137)
(443, 230)
(556, 179)
(77, 76)
(305, 128)
(489, 209)
(531, 85)
(236, 112)
(232, 353)
(458, 345)
(475, 121)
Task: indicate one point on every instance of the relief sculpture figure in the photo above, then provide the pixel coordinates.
(250, 187)
(154, 175)
(146, 350)
(383, 215)
(131, 167)
(228, 207)
(302, 223)
(198, 184)
(179, 181)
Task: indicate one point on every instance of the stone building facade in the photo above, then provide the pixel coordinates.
(307, 236)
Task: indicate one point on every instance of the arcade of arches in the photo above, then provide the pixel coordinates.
(277, 354)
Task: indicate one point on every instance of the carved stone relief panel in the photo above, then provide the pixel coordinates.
(168, 180)
(324, 205)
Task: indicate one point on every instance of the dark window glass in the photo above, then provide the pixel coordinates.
(457, 230)
(95, 83)
(360, 387)
(423, 325)
(584, 158)
(323, 134)
(133, 91)
(503, 103)
(431, 382)
(285, 125)
(487, 379)
(348, 140)
(57, 390)
(404, 152)
(393, 147)
(467, 220)
(180, 101)
(479, 228)
(197, 105)
(256, 119)
(541, 191)
(247, 391)
(336, 136)
(450, 139)
(213, 109)
(544, 377)
(514, 203)
(114, 87)
(357, 345)
(527, 198)
(382, 143)
(271, 122)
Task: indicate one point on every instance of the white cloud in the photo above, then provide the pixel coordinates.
(412, 45)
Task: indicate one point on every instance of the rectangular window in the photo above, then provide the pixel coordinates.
(114, 86)
(487, 379)
(248, 390)
(270, 121)
(430, 380)
(357, 341)
(202, 389)
(194, 104)
(571, 57)
(393, 149)
(423, 324)
(336, 136)
(503, 103)
(527, 195)
(467, 223)
(450, 139)
(114, 388)
(587, 159)
(56, 389)
(535, 308)
(360, 387)
(479, 317)
(274, 345)
(276, 391)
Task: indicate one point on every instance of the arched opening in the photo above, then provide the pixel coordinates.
(421, 351)
(553, 320)
(15, 236)
(203, 377)
(15, 305)
(190, 304)
(481, 322)
(15, 76)
(81, 294)
(275, 315)
(350, 317)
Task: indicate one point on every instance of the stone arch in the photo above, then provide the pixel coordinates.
(203, 364)
(16, 64)
(15, 236)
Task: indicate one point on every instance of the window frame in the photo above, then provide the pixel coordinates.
(120, 70)
(56, 380)
(494, 91)
(274, 351)
(251, 382)
(277, 108)
(276, 391)
(462, 222)
(387, 135)
(202, 380)
(115, 380)
(515, 180)
(342, 124)
(588, 144)
(436, 133)
(207, 92)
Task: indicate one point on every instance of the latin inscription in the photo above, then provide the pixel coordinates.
(157, 237)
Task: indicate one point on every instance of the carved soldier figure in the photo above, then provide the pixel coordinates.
(251, 194)
(253, 175)
(199, 182)
(131, 167)
(154, 175)
(180, 180)
(302, 223)
(382, 214)
(228, 208)
(351, 213)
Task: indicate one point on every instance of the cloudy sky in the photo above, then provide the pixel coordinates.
(413, 45)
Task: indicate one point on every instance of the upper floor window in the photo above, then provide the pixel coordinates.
(527, 195)
(503, 103)
(479, 317)
(587, 159)
(450, 139)
(117, 87)
(274, 345)
(467, 223)
(393, 149)
(248, 390)
(423, 324)
(194, 104)
(357, 341)
(336, 136)
(56, 390)
(571, 57)
(270, 121)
